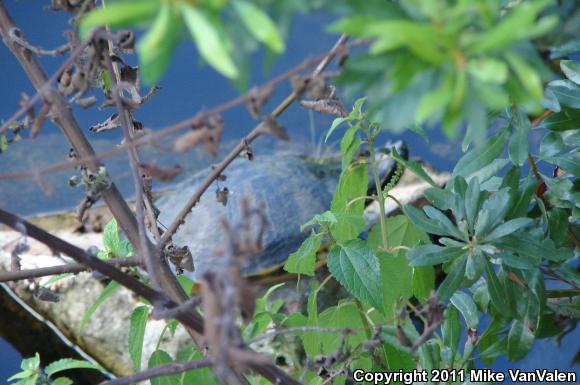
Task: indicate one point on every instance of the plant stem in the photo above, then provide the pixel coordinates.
(380, 197)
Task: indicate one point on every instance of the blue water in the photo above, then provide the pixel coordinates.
(187, 87)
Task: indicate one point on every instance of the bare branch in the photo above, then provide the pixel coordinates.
(63, 269)
(217, 170)
(163, 370)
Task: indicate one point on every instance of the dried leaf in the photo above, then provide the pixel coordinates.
(325, 106)
(271, 126)
(180, 257)
(312, 86)
(112, 122)
(257, 98)
(164, 174)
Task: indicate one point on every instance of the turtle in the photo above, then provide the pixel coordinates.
(290, 190)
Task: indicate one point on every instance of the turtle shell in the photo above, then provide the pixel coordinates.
(290, 190)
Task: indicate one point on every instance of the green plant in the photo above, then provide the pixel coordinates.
(33, 374)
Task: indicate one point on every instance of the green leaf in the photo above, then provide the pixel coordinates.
(472, 202)
(158, 358)
(497, 291)
(451, 329)
(423, 282)
(67, 364)
(569, 162)
(571, 69)
(205, 32)
(467, 307)
(137, 335)
(335, 123)
(203, 376)
(302, 261)
(507, 228)
(566, 92)
(429, 255)
(415, 167)
(62, 381)
(488, 70)
(352, 184)
(107, 291)
(260, 25)
(119, 14)
(157, 45)
(519, 146)
(349, 145)
(357, 268)
(526, 74)
(520, 340)
(420, 220)
(453, 280)
(478, 158)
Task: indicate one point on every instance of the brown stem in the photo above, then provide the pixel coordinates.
(163, 370)
(66, 121)
(158, 134)
(256, 132)
(62, 269)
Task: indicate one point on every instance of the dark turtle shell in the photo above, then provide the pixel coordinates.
(290, 189)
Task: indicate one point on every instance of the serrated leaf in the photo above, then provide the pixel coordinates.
(137, 335)
(120, 14)
(478, 158)
(453, 280)
(205, 32)
(302, 261)
(357, 268)
(467, 307)
(349, 145)
(67, 364)
(106, 293)
(260, 25)
(520, 340)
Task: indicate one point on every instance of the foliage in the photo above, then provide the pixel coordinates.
(33, 374)
(421, 282)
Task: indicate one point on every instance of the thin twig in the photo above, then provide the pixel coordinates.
(161, 133)
(256, 132)
(72, 268)
(15, 33)
(163, 370)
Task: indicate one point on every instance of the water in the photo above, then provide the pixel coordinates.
(187, 87)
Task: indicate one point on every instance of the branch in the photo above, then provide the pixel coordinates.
(256, 132)
(163, 370)
(190, 319)
(159, 134)
(63, 269)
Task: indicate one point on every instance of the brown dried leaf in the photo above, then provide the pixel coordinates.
(191, 139)
(325, 106)
(164, 174)
(312, 86)
(257, 98)
(222, 195)
(271, 126)
(112, 122)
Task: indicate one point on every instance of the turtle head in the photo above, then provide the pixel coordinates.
(387, 166)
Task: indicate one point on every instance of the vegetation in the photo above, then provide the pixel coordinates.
(460, 280)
